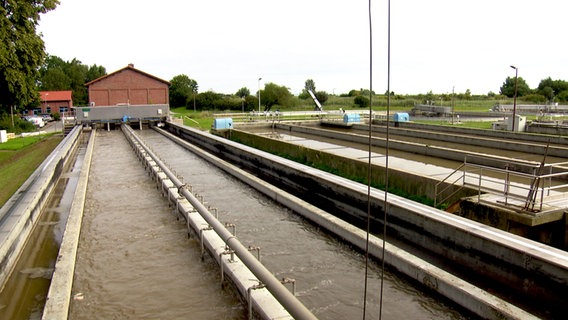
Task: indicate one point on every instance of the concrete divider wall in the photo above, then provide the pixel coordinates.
(530, 146)
(409, 183)
(235, 260)
(21, 213)
(463, 293)
(441, 152)
(531, 270)
(501, 134)
(59, 295)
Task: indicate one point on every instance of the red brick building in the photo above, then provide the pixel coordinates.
(128, 86)
(54, 102)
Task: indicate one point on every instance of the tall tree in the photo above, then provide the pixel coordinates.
(182, 90)
(274, 94)
(508, 87)
(308, 85)
(22, 50)
(551, 88)
(95, 72)
(243, 92)
(57, 74)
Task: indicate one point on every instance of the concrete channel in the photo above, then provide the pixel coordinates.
(266, 296)
(249, 275)
(528, 270)
(532, 270)
(20, 214)
(416, 170)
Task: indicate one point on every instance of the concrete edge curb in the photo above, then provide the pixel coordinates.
(59, 295)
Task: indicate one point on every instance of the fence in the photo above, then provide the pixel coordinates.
(529, 191)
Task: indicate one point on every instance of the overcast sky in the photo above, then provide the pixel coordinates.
(225, 45)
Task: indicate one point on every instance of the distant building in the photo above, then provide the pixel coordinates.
(128, 86)
(54, 102)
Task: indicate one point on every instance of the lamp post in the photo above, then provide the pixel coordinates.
(453, 89)
(515, 97)
(259, 94)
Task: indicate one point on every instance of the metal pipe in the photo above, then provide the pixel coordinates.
(249, 300)
(280, 292)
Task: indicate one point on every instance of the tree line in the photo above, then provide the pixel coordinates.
(184, 92)
(548, 90)
(56, 74)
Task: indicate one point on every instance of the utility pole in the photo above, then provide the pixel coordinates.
(515, 98)
(259, 94)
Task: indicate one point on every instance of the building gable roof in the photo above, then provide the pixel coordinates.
(49, 96)
(129, 67)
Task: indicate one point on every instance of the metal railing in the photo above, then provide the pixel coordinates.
(529, 191)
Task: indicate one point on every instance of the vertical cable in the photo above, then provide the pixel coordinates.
(369, 162)
(386, 206)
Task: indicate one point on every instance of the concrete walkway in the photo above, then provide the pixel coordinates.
(516, 190)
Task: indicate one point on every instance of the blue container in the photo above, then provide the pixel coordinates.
(351, 118)
(223, 123)
(401, 117)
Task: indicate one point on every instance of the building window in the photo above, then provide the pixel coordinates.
(48, 110)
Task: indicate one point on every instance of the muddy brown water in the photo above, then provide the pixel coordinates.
(135, 260)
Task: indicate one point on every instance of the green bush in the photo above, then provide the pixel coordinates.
(20, 125)
(534, 98)
(56, 116)
(361, 101)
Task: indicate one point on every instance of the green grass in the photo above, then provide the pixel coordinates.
(20, 143)
(463, 124)
(19, 158)
(200, 119)
(398, 103)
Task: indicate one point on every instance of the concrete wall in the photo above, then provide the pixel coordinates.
(473, 298)
(555, 129)
(542, 138)
(411, 185)
(22, 211)
(116, 113)
(535, 144)
(529, 269)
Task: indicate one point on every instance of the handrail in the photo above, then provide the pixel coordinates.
(436, 193)
(515, 185)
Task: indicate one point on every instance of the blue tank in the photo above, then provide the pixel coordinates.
(401, 117)
(223, 123)
(351, 118)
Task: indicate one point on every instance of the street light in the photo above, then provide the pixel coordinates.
(259, 94)
(453, 90)
(515, 97)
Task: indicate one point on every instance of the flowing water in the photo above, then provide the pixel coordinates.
(135, 260)
(23, 296)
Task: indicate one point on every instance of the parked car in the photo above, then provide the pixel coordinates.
(38, 121)
(46, 118)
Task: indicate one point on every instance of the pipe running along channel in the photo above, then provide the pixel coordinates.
(274, 286)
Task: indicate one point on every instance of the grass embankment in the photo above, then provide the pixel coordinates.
(200, 119)
(19, 158)
(204, 119)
